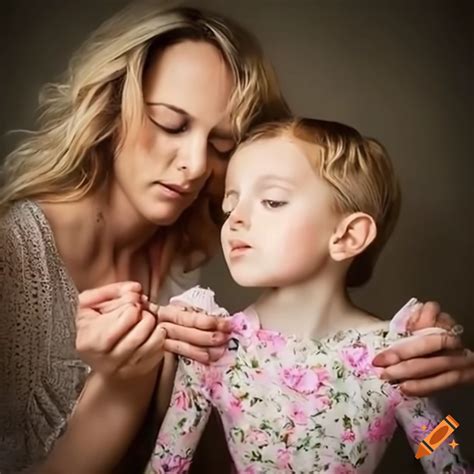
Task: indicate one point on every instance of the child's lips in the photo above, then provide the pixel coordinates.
(238, 247)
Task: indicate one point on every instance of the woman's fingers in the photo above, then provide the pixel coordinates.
(199, 354)
(154, 345)
(194, 336)
(128, 297)
(193, 319)
(101, 334)
(430, 315)
(416, 346)
(134, 337)
(428, 386)
(215, 353)
(419, 368)
(96, 296)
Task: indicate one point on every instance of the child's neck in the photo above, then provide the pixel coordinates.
(314, 308)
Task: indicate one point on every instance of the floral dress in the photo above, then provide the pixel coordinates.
(290, 404)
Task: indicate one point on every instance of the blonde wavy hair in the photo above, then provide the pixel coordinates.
(358, 169)
(100, 100)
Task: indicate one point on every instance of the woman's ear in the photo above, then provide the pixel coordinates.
(352, 236)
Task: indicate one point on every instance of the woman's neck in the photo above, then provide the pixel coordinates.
(125, 230)
(102, 233)
(314, 308)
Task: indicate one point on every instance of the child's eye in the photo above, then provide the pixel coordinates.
(273, 204)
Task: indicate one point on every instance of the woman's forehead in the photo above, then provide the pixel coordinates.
(192, 76)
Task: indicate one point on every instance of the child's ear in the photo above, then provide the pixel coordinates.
(352, 236)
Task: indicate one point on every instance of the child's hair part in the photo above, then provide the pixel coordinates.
(358, 169)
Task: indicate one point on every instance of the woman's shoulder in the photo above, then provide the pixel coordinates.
(23, 223)
(28, 253)
(40, 369)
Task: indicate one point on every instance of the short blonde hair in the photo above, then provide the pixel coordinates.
(358, 169)
(101, 99)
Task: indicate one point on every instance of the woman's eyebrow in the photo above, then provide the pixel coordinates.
(169, 106)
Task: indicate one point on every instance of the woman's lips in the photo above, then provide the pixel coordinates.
(172, 191)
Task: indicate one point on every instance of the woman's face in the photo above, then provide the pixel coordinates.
(186, 133)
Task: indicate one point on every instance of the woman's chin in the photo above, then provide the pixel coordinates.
(162, 214)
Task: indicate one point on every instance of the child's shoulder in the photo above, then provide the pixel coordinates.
(366, 322)
(200, 299)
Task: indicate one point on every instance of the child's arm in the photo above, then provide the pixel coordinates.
(418, 417)
(189, 409)
(184, 421)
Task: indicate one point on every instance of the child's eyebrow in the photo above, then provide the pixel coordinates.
(270, 178)
(231, 192)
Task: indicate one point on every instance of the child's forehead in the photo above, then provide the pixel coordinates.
(285, 152)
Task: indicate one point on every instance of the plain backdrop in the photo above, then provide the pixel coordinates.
(401, 71)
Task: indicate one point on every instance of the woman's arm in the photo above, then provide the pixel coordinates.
(123, 344)
(123, 340)
(102, 426)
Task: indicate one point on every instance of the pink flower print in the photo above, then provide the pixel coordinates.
(305, 380)
(248, 470)
(298, 415)
(381, 428)
(181, 400)
(358, 359)
(284, 457)
(394, 399)
(348, 436)
(420, 429)
(319, 403)
(241, 325)
(344, 469)
(163, 440)
(171, 463)
(271, 340)
(212, 382)
(258, 438)
(234, 409)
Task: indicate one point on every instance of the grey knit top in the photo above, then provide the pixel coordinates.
(41, 375)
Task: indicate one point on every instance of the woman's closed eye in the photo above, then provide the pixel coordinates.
(273, 204)
(171, 128)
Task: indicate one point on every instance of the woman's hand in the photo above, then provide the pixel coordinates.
(426, 363)
(116, 332)
(192, 333)
(120, 332)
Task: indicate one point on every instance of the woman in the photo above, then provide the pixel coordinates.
(109, 209)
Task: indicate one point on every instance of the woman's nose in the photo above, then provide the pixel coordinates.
(193, 160)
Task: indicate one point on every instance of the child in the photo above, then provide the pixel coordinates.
(309, 206)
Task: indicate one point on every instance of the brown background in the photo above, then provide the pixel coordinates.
(401, 71)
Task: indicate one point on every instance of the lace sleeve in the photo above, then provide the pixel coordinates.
(41, 375)
(20, 364)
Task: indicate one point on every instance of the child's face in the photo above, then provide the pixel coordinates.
(281, 218)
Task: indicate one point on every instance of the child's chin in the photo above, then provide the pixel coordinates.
(247, 281)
